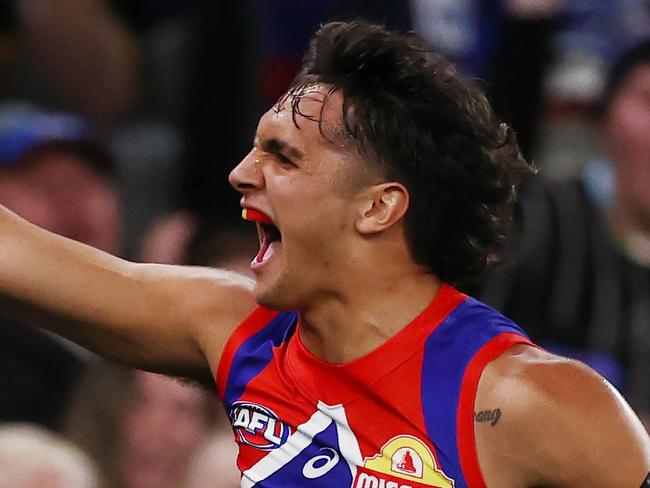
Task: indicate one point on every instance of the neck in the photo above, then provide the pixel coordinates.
(372, 308)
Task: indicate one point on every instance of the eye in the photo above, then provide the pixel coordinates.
(285, 160)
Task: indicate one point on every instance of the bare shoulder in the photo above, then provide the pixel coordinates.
(210, 302)
(560, 424)
(221, 301)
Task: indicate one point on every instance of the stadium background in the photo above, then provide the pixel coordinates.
(120, 120)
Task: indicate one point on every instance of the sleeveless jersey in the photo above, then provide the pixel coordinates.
(401, 416)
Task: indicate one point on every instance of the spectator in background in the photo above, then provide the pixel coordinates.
(579, 282)
(528, 51)
(69, 54)
(84, 56)
(53, 172)
(216, 460)
(31, 457)
(141, 428)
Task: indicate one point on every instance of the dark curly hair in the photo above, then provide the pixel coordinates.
(407, 109)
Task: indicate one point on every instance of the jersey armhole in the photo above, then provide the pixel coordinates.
(465, 415)
(256, 321)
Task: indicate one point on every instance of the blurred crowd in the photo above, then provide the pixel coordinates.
(120, 120)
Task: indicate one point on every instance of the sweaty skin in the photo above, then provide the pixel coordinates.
(561, 425)
(345, 265)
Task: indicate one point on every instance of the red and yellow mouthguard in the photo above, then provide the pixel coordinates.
(253, 215)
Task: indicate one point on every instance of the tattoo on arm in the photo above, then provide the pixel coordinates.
(646, 482)
(491, 416)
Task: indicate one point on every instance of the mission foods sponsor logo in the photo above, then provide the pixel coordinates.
(404, 462)
(258, 426)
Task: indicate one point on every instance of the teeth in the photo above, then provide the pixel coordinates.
(270, 251)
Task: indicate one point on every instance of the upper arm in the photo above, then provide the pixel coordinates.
(213, 307)
(596, 439)
(170, 319)
(193, 311)
(562, 425)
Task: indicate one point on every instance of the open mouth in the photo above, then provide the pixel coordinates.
(270, 239)
(268, 233)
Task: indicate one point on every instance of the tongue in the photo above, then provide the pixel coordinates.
(266, 250)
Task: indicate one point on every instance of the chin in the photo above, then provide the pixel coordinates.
(275, 296)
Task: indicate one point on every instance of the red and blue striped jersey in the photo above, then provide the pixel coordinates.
(401, 416)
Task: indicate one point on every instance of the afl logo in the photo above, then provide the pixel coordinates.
(258, 426)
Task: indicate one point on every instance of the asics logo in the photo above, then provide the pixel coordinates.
(320, 465)
(323, 466)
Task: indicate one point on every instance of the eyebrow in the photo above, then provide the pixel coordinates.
(278, 146)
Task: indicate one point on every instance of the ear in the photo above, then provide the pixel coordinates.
(381, 207)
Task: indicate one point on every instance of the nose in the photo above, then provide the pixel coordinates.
(246, 176)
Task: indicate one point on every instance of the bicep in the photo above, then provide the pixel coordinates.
(154, 317)
(177, 319)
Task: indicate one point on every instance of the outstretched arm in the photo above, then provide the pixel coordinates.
(157, 317)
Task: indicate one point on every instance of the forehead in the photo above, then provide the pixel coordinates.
(312, 118)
